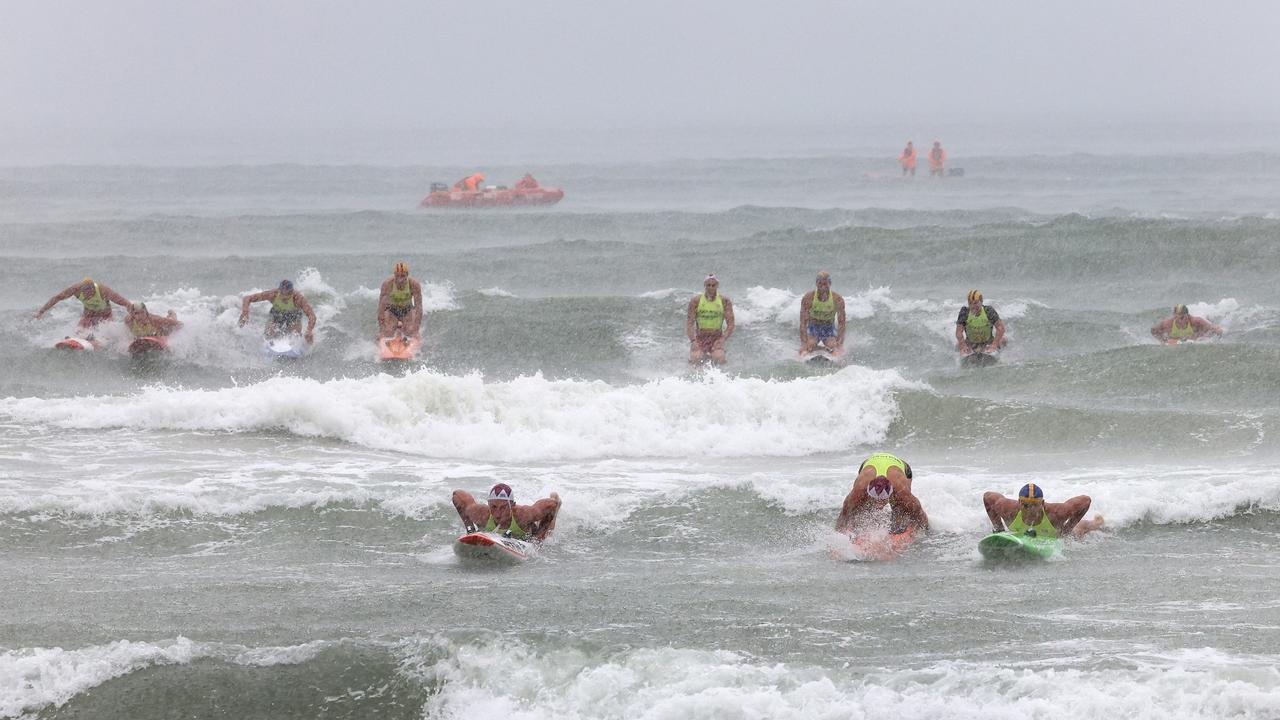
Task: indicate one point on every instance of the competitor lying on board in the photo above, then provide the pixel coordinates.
(1031, 515)
(883, 480)
(502, 515)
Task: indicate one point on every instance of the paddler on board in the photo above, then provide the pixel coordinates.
(822, 318)
(979, 328)
(400, 305)
(95, 297)
(1031, 515)
(710, 323)
(1183, 326)
(908, 160)
(502, 515)
(287, 308)
(883, 480)
(144, 324)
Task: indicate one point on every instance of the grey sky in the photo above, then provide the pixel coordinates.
(169, 68)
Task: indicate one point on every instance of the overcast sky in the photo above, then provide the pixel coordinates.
(160, 69)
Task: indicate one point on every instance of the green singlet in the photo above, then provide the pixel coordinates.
(883, 461)
(1044, 529)
(400, 297)
(283, 307)
(142, 329)
(823, 311)
(1186, 332)
(514, 530)
(977, 328)
(710, 312)
(95, 302)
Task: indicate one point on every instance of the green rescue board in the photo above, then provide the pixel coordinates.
(1006, 545)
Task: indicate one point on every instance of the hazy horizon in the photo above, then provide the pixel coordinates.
(150, 82)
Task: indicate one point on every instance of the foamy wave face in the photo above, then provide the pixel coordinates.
(529, 418)
(508, 679)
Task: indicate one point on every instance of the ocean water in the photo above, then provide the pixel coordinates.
(221, 535)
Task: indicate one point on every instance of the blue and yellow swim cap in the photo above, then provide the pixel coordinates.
(1031, 492)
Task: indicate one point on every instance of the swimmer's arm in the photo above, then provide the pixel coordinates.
(728, 320)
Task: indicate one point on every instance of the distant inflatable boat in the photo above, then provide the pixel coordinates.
(442, 196)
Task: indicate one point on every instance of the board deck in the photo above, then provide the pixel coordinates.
(821, 356)
(1006, 545)
(285, 347)
(492, 546)
(875, 545)
(400, 347)
(148, 344)
(979, 360)
(77, 343)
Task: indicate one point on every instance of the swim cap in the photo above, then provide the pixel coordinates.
(140, 306)
(286, 285)
(824, 275)
(1180, 309)
(401, 268)
(501, 491)
(1031, 492)
(87, 280)
(975, 296)
(880, 488)
(710, 277)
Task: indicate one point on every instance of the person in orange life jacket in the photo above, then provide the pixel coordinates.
(469, 183)
(978, 327)
(95, 297)
(908, 160)
(883, 480)
(709, 323)
(1029, 514)
(1184, 326)
(937, 158)
(143, 324)
(501, 514)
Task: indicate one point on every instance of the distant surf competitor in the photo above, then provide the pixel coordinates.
(710, 323)
(400, 304)
(822, 318)
(1031, 515)
(883, 480)
(1183, 326)
(979, 328)
(95, 297)
(287, 308)
(502, 515)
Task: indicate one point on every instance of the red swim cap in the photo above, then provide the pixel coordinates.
(880, 488)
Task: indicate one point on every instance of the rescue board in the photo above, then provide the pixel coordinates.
(399, 347)
(284, 347)
(978, 360)
(148, 344)
(880, 545)
(492, 546)
(1008, 546)
(821, 356)
(77, 343)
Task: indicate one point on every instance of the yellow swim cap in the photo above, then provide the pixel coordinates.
(975, 296)
(401, 268)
